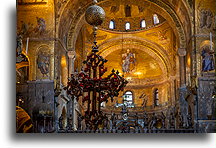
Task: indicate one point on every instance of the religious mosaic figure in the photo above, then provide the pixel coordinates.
(41, 25)
(129, 61)
(207, 60)
(214, 23)
(206, 19)
(209, 19)
(43, 62)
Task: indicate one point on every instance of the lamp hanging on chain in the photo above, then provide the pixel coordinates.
(89, 84)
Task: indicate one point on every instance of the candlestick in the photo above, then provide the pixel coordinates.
(27, 41)
(210, 41)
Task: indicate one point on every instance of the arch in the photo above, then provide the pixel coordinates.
(112, 25)
(154, 50)
(156, 19)
(78, 20)
(156, 97)
(143, 23)
(128, 98)
(127, 26)
(205, 47)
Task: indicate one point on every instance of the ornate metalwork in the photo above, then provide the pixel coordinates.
(95, 15)
(97, 89)
(89, 82)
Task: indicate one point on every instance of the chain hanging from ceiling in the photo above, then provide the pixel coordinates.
(89, 83)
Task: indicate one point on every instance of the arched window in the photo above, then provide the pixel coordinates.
(112, 25)
(156, 97)
(155, 19)
(128, 98)
(143, 24)
(127, 26)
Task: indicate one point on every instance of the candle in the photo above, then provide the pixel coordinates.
(210, 41)
(27, 45)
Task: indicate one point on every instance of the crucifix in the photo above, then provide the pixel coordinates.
(89, 84)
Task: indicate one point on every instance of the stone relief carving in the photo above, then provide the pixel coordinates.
(206, 19)
(43, 62)
(184, 105)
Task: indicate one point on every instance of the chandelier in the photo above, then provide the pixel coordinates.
(89, 84)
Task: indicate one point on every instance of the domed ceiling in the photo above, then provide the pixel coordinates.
(124, 11)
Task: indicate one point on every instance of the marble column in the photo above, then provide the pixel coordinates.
(182, 64)
(72, 57)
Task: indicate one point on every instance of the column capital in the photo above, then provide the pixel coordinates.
(72, 54)
(182, 52)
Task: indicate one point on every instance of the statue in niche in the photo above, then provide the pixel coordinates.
(206, 19)
(207, 59)
(20, 57)
(43, 62)
(128, 62)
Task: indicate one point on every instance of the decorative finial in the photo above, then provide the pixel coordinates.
(95, 2)
(95, 16)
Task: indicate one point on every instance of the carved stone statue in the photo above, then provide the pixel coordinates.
(207, 60)
(153, 122)
(184, 93)
(43, 62)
